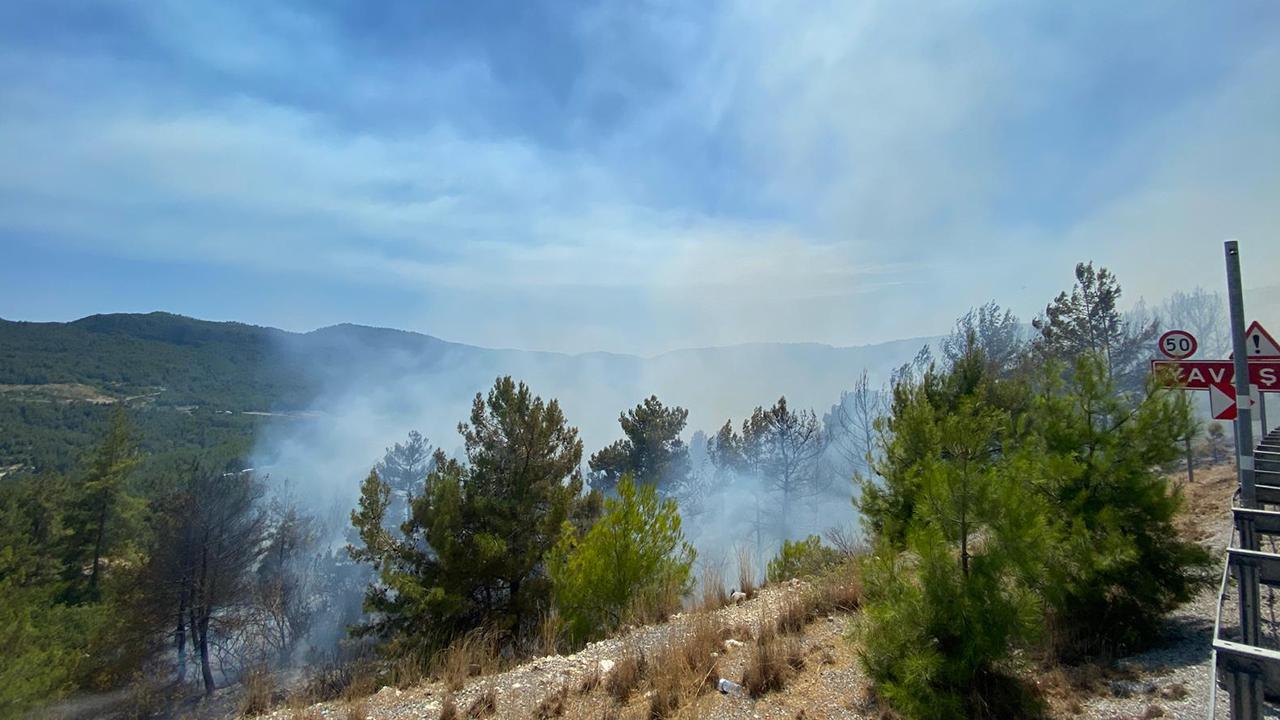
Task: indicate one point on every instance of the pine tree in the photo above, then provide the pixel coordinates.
(633, 559)
(1089, 322)
(1119, 562)
(473, 552)
(102, 507)
(950, 586)
(651, 451)
(404, 469)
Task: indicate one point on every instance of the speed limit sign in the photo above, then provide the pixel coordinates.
(1178, 344)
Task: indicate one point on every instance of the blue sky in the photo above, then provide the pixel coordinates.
(627, 176)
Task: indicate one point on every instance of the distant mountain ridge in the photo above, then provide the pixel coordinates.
(170, 363)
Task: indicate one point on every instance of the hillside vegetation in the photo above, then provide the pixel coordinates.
(1014, 505)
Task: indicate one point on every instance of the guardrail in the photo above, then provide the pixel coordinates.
(1240, 660)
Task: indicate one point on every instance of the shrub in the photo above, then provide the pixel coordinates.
(625, 675)
(773, 661)
(1118, 563)
(930, 633)
(800, 558)
(633, 562)
(942, 614)
(259, 689)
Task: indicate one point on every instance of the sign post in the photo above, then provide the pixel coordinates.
(1259, 344)
(1240, 356)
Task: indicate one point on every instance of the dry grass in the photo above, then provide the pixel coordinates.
(145, 700)
(449, 708)
(839, 589)
(794, 614)
(484, 706)
(657, 604)
(553, 705)
(259, 692)
(358, 710)
(685, 668)
(591, 680)
(711, 592)
(334, 679)
(774, 660)
(409, 670)
(475, 653)
(626, 674)
(550, 634)
(746, 570)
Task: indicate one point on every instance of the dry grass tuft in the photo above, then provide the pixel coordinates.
(656, 605)
(774, 660)
(333, 678)
(685, 668)
(550, 634)
(591, 680)
(259, 692)
(449, 708)
(475, 653)
(485, 705)
(712, 594)
(358, 710)
(625, 675)
(746, 570)
(553, 705)
(793, 615)
(839, 590)
(409, 670)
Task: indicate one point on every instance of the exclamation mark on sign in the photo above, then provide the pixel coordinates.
(1257, 343)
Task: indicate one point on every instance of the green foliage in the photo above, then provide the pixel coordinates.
(1088, 322)
(950, 594)
(652, 451)
(802, 557)
(100, 516)
(1118, 563)
(931, 636)
(1007, 504)
(629, 559)
(472, 552)
(44, 641)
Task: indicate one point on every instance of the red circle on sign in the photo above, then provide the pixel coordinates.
(1178, 344)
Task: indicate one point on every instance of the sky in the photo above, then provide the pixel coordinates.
(628, 176)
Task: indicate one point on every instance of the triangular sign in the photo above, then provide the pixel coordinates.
(1258, 343)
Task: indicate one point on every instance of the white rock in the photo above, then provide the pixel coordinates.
(605, 666)
(730, 644)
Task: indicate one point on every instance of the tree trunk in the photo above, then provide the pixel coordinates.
(1191, 473)
(180, 635)
(98, 542)
(205, 669)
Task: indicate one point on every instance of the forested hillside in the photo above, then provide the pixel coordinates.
(199, 384)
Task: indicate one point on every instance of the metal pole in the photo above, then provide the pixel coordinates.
(1246, 700)
(1262, 414)
(1244, 418)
